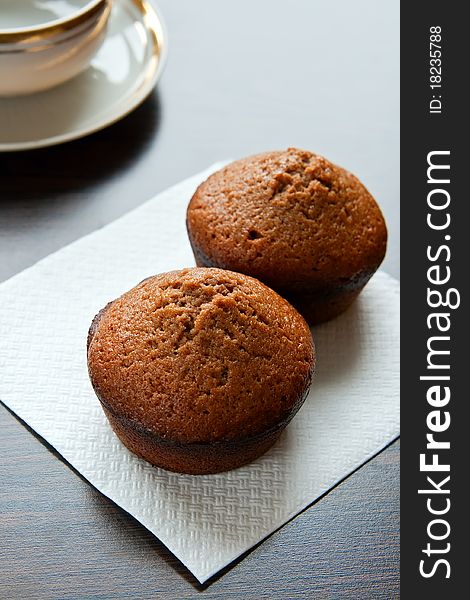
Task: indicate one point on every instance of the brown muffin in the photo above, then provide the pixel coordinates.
(199, 370)
(302, 225)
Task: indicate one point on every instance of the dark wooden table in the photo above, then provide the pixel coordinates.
(241, 77)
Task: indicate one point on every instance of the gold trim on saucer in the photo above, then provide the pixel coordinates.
(40, 33)
(153, 23)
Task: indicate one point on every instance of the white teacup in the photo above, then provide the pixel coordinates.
(46, 42)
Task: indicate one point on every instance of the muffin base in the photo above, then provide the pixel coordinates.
(318, 308)
(315, 307)
(191, 458)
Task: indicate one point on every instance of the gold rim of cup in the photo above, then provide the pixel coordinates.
(44, 32)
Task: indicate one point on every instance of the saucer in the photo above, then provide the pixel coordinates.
(121, 75)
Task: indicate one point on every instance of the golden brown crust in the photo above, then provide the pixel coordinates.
(200, 363)
(300, 224)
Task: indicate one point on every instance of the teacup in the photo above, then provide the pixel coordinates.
(46, 42)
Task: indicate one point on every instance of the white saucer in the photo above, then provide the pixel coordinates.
(122, 74)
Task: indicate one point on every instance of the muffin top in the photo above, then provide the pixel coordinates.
(201, 355)
(290, 218)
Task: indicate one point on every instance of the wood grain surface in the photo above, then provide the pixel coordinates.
(242, 77)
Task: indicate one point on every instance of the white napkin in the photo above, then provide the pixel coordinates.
(351, 413)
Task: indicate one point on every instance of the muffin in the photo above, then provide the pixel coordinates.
(200, 370)
(304, 226)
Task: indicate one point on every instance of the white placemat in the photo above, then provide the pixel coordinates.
(206, 521)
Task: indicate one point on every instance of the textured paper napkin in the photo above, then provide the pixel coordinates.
(351, 413)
